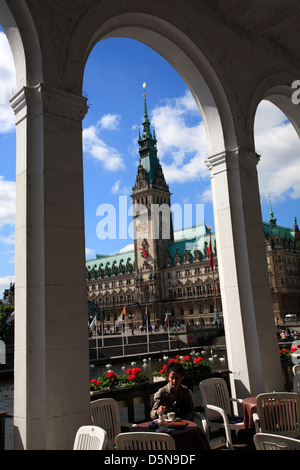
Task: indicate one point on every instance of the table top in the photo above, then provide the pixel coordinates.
(249, 401)
(249, 406)
(187, 434)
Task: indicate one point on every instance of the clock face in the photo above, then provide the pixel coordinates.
(142, 227)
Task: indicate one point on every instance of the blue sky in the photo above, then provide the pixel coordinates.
(115, 72)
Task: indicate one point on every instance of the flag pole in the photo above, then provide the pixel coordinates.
(102, 326)
(169, 331)
(122, 332)
(211, 263)
(147, 326)
(97, 346)
(126, 327)
(123, 347)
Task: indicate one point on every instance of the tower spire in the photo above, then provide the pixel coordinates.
(272, 219)
(146, 123)
(147, 146)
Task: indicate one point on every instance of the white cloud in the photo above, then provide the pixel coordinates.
(279, 146)
(116, 187)
(110, 122)
(7, 201)
(7, 86)
(182, 145)
(119, 189)
(206, 195)
(126, 248)
(8, 240)
(98, 149)
(5, 282)
(89, 253)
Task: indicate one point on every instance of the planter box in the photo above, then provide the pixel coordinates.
(142, 393)
(158, 379)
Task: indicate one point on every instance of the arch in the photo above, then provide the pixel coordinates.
(281, 96)
(24, 43)
(277, 89)
(180, 52)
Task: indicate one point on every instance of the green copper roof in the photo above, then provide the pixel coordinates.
(186, 239)
(272, 230)
(191, 239)
(111, 260)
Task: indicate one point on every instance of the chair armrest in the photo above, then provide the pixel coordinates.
(256, 422)
(225, 421)
(237, 400)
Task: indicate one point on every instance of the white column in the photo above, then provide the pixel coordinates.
(51, 340)
(247, 307)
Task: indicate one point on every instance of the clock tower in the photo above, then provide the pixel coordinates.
(151, 200)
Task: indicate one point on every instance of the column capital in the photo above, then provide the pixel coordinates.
(231, 159)
(63, 104)
(51, 101)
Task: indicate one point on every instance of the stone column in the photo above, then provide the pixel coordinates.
(247, 306)
(51, 339)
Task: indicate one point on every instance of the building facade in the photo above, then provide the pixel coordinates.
(283, 259)
(176, 272)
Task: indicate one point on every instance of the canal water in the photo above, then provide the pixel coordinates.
(216, 358)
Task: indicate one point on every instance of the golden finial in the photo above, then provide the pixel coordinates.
(144, 86)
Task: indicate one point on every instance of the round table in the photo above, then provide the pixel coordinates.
(249, 406)
(190, 437)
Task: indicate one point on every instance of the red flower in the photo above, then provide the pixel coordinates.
(111, 375)
(185, 358)
(173, 360)
(199, 359)
(96, 382)
(129, 371)
(162, 371)
(132, 377)
(136, 371)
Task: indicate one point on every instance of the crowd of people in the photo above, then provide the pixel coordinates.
(287, 334)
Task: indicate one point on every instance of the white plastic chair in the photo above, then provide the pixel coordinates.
(217, 409)
(296, 369)
(296, 384)
(265, 441)
(105, 413)
(144, 441)
(90, 438)
(278, 413)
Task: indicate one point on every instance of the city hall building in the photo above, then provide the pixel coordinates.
(174, 274)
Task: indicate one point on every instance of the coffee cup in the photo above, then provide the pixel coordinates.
(163, 427)
(171, 416)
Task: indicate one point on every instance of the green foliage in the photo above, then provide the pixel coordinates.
(109, 380)
(285, 354)
(193, 366)
(5, 312)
